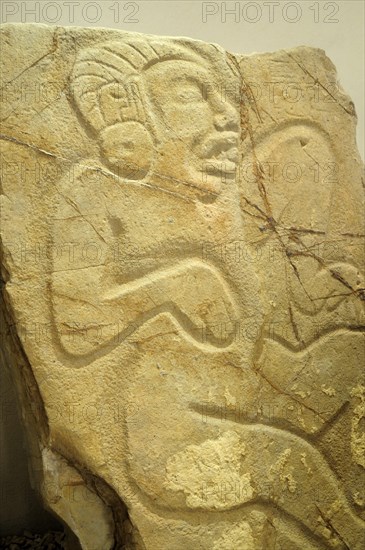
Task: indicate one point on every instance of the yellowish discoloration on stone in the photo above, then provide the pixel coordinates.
(358, 499)
(283, 470)
(238, 536)
(357, 425)
(328, 390)
(183, 288)
(210, 474)
(231, 400)
(303, 460)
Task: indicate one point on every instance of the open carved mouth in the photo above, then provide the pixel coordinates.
(221, 148)
(220, 166)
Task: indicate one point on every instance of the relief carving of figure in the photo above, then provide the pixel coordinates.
(202, 311)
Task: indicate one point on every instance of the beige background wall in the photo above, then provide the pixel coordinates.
(241, 27)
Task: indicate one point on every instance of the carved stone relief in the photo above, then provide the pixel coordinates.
(182, 253)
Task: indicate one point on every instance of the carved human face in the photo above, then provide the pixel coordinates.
(198, 127)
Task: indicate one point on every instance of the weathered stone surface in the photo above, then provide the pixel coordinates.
(182, 238)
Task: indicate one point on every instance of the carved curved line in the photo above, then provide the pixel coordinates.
(231, 416)
(233, 515)
(196, 333)
(189, 516)
(109, 49)
(279, 423)
(90, 76)
(275, 132)
(275, 433)
(88, 164)
(269, 139)
(182, 321)
(107, 70)
(295, 123)
(303, 348)
(143, 48)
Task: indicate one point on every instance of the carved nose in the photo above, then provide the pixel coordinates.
(227, 120)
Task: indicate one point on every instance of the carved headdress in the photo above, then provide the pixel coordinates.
(108, 85)
(107, 80)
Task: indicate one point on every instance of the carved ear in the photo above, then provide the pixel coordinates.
(86, 93)
(128, 148)
(121, 102)
(103, 104)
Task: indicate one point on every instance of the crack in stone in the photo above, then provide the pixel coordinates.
(316, 81)
(328, 523)
(51, 52)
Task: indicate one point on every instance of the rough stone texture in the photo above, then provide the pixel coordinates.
(182, 240)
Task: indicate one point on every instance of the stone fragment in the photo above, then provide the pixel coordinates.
(182, 251)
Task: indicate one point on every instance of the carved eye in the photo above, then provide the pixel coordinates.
(189, 95)
(128, 144)
(117, 91)
(116, 94)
